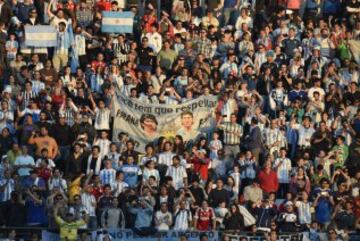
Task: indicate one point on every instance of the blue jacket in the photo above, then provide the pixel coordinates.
(143, 215)
(264, 216)
(331, 7)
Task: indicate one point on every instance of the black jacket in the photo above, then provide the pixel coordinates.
(14, 214)
(61, 133)
(234, 222)
(6, 14)
(255, 138)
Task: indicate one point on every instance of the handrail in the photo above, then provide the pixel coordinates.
(232, 232)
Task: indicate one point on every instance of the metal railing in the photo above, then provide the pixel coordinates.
(25, 233)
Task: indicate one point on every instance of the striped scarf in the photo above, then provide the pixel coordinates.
(121, 51)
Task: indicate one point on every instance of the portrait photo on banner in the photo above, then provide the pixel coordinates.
(146, 123)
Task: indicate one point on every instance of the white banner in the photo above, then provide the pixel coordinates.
(280, 237)
(147, 122)
(129, 235)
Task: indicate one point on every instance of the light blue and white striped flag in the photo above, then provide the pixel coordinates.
(40, 36)
(117, 22)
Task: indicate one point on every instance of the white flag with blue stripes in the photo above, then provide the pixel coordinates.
(40, 36)
(117, 22)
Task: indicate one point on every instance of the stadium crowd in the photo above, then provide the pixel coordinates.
(285, 153)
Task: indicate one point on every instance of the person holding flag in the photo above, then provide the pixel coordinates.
(64, 40)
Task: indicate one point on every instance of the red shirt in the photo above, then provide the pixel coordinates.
(204, 218)
(201, 167)
(44, 173)
(104, 5)
(97, 192)
(268, 182)
(95, 64)
(57, 100)
(148, 21)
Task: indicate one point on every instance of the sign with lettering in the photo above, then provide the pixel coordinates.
(145, 123)
(281, 237)
(129, 235)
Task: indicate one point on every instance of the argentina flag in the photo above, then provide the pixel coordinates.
(117, 22)
(40, 36)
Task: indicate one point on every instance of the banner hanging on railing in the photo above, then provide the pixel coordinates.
(130, 235)
(171, 235)
(281, 237)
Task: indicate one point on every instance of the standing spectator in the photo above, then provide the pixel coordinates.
(35, 209)
(219, 194)
(144, 212)
(94, 161)
(166, 57)
(44, 141)
(24, 162)
(163, 218)
(283, 167)
(323, 203)
(273, 138)
(288, 219)
(146, 54)
(60, 132)
(264, 214)
(291, 43)
(7, 186)
(61, 55)
(234, 220)
(131, 172)
(68, 226)
(182, 217)
(268, 179)
(204, 218)
(178, 173)
(303, 206)
(254, 140)
(14, 211)
(113, 217)
(108, 174)
(253, 193)
(232, 135)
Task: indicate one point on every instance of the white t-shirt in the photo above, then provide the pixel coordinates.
(283, 170)
(102, 119)
(50, 165)
(163, 219)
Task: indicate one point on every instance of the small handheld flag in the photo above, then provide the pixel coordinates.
(40, 36)
(117, 22)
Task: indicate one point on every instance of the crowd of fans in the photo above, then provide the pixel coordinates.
(286, 74)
